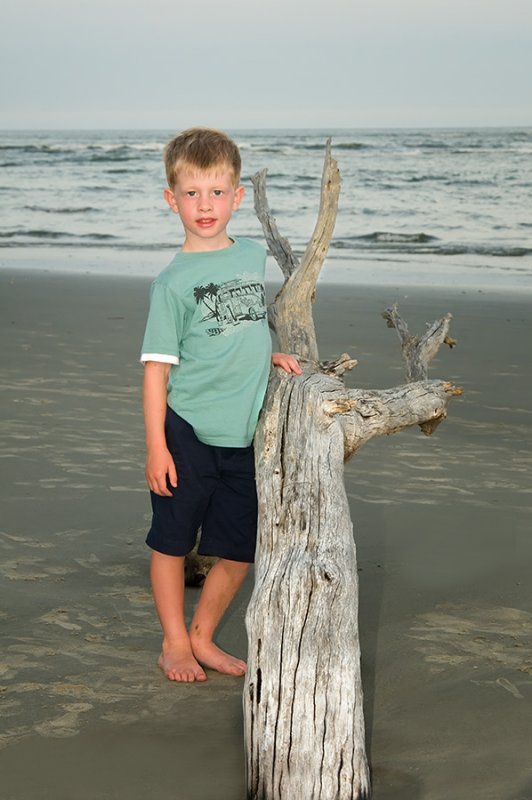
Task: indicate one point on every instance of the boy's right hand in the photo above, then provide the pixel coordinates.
(160, 464)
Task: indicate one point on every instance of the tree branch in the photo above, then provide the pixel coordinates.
(378, 413)
(339, 366)
(279, 246)
(419, 352)
(303, 280)
(292, 316)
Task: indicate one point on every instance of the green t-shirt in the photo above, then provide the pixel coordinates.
(208, 320)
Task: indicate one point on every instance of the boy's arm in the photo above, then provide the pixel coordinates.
(159, 461)
(287, 362)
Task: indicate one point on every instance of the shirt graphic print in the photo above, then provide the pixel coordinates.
(231, 304)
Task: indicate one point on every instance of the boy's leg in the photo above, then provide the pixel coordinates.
(221, 585)
(168, 584)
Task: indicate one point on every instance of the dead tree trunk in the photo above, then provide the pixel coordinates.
(304, 723)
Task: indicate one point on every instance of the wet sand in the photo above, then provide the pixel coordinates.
(442, 528)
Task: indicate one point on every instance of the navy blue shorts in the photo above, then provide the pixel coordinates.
(216, 490)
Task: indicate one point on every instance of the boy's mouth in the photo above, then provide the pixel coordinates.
(205, 222)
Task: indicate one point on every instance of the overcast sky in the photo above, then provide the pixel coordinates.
(273, 63)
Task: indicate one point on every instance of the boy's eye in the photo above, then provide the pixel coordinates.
(192, 193)
(217, 193)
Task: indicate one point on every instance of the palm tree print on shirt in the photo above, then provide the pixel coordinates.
(201, 295)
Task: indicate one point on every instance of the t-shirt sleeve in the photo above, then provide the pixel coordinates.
(164, 328)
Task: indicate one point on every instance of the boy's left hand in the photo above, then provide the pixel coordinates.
(288, 363)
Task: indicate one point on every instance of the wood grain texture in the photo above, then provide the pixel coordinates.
(303, 697)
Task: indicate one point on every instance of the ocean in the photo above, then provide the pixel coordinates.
(449, 206)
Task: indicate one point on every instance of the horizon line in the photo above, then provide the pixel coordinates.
(274, 128)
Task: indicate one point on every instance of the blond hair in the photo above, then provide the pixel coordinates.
(202, 149)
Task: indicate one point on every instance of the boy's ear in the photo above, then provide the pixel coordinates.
(239, 194)
(170, 199)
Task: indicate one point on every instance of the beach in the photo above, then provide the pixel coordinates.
(442, 527)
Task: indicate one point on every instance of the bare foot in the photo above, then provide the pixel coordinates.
(179, 664)
(211, 656)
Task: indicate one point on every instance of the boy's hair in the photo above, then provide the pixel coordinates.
(201, 149)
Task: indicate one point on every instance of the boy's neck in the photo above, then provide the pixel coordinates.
(191, 245)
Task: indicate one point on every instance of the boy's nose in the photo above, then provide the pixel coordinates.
(205, 203)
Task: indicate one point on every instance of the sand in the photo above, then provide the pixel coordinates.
(442, 528)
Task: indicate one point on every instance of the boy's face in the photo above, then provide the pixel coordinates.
(205, 202)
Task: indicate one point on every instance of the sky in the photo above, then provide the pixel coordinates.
(274, 63)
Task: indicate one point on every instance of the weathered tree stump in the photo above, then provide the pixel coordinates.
(303, 701)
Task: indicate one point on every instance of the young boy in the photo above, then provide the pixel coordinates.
(207, 354)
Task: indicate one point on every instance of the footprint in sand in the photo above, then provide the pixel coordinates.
(496, 638)
(14, 541)
(504, 684)
(12, 663)
(59, 616)
(24, 569)
(67, 724)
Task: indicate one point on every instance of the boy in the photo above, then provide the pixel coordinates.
(206, 353)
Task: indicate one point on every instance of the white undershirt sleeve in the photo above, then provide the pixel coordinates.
(164, 359)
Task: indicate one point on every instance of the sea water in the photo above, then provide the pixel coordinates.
(449, 206)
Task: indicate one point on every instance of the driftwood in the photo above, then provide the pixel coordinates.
(303, 702)
(197, 567)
